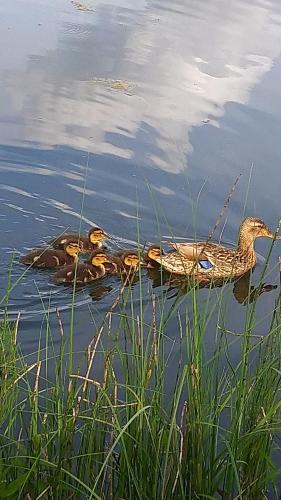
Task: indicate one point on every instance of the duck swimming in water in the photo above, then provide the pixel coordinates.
(127, 261)
(93, 241)
(214, 261)
(83, 273)
(48, 258)
(150, 255)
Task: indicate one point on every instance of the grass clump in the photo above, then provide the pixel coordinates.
(161, 418)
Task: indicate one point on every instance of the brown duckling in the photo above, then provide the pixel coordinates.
(94, 240)
(154, 251)
(85, 272)
(112, 264)
(47, 258)
(127, 261)
(120, 262)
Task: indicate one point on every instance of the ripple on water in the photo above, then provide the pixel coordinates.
(79, 30)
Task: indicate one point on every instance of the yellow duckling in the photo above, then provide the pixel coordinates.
(47, 258)
(215, 261)
(85, 272)
(95, 239)
(151, 255)
(127, 261)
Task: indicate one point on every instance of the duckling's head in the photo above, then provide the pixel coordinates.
(72, 248)
(97, 235)
(252, 228)
(98, 258)
(154, 252)
(131, 259)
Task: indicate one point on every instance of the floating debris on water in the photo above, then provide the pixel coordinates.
(81, 6)
(119, 85)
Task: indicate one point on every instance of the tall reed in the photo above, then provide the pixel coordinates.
(164, 419)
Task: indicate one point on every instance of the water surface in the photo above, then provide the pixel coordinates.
(139, 116)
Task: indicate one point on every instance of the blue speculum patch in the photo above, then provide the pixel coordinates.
(205, 264)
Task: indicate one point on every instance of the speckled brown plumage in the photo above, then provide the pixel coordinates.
(48, 258)
(83, 274)
(223, 262)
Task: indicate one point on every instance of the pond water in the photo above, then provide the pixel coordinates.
(139, 115)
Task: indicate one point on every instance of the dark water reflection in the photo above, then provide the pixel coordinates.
(147, 107)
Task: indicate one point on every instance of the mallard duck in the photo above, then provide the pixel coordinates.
(215, 261)
(85, 272)
(94, 240)
(47, 258)
(127, 261)
(111, 265)
(149, 257)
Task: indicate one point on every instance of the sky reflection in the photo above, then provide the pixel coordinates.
(179, 74)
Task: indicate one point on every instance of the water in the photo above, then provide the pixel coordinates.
(147, 107)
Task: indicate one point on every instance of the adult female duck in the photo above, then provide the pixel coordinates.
(215, 261)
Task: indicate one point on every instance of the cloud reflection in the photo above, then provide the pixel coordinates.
(181, 69)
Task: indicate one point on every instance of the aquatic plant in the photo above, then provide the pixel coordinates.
(131, 430)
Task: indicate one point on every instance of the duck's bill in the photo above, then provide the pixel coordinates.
(270, 234)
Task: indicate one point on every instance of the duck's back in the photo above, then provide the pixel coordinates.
(60, 241)
(81, 274)
(45, 258)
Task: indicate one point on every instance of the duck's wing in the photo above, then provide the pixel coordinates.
(190, 251)
(196, 253)
(60, 241)
(44, 258)
(70, 274)
(204, 254)
(64, 275)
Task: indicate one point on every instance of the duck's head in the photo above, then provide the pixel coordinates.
(99, 258)
(72, 248)
(97, 235)
(131, 259)
(252, 228)
(154, 252)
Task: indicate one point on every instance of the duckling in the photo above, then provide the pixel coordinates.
(111, 265)
(127, 261)
(154, 251)
(47, 258)
(94, 240)
(85, 272)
